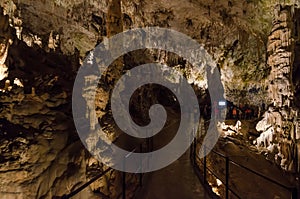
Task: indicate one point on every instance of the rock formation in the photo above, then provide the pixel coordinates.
(41, 154)
(279, 122)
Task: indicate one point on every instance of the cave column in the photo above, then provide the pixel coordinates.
(281, 48)
(114, 25)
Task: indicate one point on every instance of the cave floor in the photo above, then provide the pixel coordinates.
(176, 181)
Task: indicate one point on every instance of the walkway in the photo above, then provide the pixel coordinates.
(177, 181)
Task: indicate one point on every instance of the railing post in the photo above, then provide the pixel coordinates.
(148, 151)
(295, 193)
(64, 197)
(204, 164)
(227, 177)
(152, 146)
(195, 151)
(191, 152)
(124, 180)
(124, 186)
(141, 174)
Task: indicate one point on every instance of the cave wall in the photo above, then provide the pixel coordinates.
(279, 125)
(41, 154)
(45, 153)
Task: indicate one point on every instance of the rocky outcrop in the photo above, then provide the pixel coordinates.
(6, 40)
(41, 154)
(278, 124)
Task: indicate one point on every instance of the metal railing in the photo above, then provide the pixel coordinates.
(139, 148)
(85, 185)
(124, 174)
(194, 155)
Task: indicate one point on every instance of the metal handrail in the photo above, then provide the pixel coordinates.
(262, 176)
(85, 185)
(214, 174)
(292, 190)
(78, 190)
(124, 173)
(218, 153)
(252, 171)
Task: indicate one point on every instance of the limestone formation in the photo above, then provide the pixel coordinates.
(41, 154)
(278, 125)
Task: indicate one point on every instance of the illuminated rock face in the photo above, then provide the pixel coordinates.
(235, 33)
(42, 155)
(281, 48)
(5, 41)
(278, 125)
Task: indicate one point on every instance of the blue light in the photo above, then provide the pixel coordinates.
(222, 103)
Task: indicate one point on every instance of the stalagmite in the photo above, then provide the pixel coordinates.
(281, 60)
